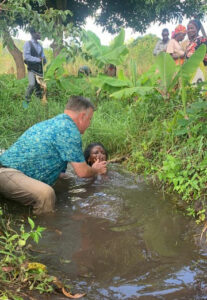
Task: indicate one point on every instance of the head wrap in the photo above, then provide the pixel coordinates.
(179, 29)
(197, 24)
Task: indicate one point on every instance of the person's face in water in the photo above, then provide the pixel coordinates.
(97, 153)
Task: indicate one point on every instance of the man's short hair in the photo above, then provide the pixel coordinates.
(79, 103)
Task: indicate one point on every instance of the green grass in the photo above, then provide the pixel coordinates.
(152, 133)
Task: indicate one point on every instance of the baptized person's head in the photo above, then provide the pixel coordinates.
(94, 152)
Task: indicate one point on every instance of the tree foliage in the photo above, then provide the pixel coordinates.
(49, 22)
(137, 14)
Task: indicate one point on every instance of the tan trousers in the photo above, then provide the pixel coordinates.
(17, 186)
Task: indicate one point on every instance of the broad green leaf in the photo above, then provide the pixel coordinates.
(167, 69)
(129, 92)
(121, 75)
(31, 222)
(133, 69)
(116, 56)
(100, 81)
(190, 66)
(92, 40)
(56, 66)
(116, 82)
(118, 40)
(113, 54)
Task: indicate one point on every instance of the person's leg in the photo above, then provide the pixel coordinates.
(31, 86)
(38, 89)
(17, 186)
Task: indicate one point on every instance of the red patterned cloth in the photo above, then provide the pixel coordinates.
(193, 46)
(179, 29)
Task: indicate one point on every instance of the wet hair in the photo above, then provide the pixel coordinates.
(196, 23)
(87, 151)
(165, 29)
(78, 103)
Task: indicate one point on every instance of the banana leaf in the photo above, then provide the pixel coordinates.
(118, 40)
(113, 54)
(101, 81)
(190, 66)
(129, 92)
(56, 66)
(133, 70)
(167, 69)
(115, 57)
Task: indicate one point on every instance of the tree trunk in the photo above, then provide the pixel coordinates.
(16, 54)
(61, 5)
(56, 49)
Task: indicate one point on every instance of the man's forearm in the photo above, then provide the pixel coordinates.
(90, 172)
(83, 170)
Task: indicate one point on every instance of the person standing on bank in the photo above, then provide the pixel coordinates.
(30, 167)
(161, 45)
(174, 47)
(34, 58)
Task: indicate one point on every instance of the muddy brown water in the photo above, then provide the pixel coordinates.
(121, 238)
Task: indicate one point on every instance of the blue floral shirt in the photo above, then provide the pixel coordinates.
(44, 150)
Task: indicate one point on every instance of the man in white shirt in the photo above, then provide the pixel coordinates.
(161, 45)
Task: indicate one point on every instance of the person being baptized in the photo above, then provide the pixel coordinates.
(95, 152)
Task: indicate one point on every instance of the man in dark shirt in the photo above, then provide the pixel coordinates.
(34, 58)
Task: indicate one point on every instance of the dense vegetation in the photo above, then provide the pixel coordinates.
(155, 119)
(158, 131)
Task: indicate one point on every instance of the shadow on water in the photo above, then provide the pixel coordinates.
(118, 238)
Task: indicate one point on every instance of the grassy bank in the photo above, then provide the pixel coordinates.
(152, 133)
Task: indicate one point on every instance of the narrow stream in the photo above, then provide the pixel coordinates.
(120, 238)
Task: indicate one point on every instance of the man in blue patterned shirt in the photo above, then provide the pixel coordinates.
(32, 164)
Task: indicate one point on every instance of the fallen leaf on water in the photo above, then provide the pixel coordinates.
(58, 232)
(58, 283)
(76, 296)
(36, 266)
(65, 261)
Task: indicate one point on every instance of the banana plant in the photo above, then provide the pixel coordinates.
(135, 86)
(170, 74)
(55, 68)
(124, 87)
(102, 55)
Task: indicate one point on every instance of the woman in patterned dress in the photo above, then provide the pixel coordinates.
(174, 48)
(193, 44)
